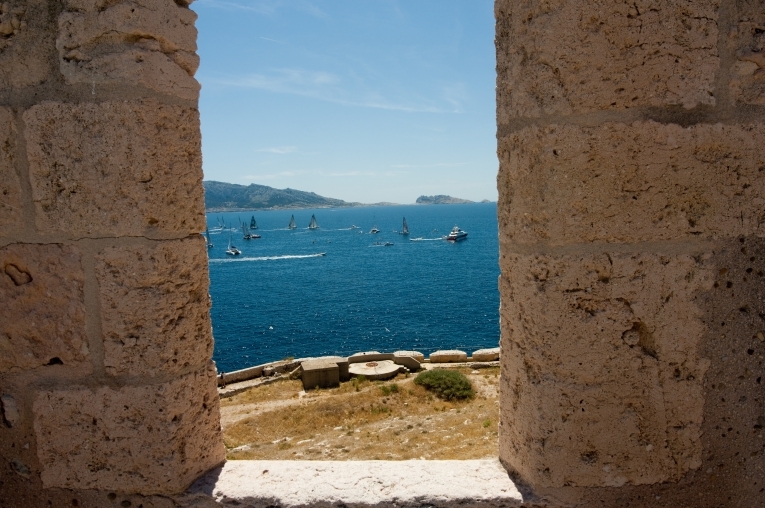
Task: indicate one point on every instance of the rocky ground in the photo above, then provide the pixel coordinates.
(391, 420)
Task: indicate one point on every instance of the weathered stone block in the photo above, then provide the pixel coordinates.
(602, 377)
(155, 308)
(151, 43)
(448, 356)
(140, 173)
(151, 439)
(26, 43)
(414, 354)
(407, 360)
(320, 373)
(42, 316)
(746, 39)
(486, 355)
(628, 183)
(566, 56)
(342, 365)
(10, 189)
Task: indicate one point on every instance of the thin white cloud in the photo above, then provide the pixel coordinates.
(281, 150)
(273, 40)
(274, 176)
(266, 7)
(436, 165)
(320, 85)
(347, 173)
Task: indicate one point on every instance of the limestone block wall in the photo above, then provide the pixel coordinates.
(632, 232)
(106, 382)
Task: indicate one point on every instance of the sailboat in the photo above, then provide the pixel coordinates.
(253, 224)
(404, 229)
(207, 235)
(248, 235)
(232, 250)
(313, 224)
(292, 223)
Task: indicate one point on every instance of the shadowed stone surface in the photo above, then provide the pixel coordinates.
(26, 43)
(746, 40)
(139, 173)
(146, 42)
(10, 190)
(149, 439)
(601, 369)
(564, 57)
(42, 316)
(630, 183)
(155, 310)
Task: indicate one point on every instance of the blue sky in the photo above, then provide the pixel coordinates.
(361, 100)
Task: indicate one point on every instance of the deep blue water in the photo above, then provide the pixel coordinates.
(275, 301)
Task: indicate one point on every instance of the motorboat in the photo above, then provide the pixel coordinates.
(354, 226)
(388, 244)
(374, 230)
(456, 235)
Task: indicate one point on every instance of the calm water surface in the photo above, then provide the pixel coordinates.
(280, 299)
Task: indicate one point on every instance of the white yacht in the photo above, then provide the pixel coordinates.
(374, 230)
(456, 235)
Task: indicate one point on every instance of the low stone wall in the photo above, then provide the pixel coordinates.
(409, 359)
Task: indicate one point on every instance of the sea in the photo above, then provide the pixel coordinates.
(338, 290)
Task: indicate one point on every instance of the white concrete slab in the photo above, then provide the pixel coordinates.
(363, 483)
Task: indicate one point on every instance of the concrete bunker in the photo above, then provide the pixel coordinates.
(631, 222)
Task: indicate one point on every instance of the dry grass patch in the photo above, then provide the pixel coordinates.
(393, 420)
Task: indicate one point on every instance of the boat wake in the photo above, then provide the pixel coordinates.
(268, 258)
(425, 239)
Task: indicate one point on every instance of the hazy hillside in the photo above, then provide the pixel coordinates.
(441, 200)
(220, 196)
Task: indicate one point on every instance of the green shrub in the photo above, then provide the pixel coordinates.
(388, 389)
(446, 384)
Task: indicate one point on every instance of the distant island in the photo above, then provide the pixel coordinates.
(441, 200)
(231, 197)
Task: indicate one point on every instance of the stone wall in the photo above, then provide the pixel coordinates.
(106, 382)
(632, 238)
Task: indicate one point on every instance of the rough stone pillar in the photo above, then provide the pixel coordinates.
(106, 384)
(632, 224)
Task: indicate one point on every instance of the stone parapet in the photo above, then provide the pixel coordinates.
(105, 339)
(631, 197)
